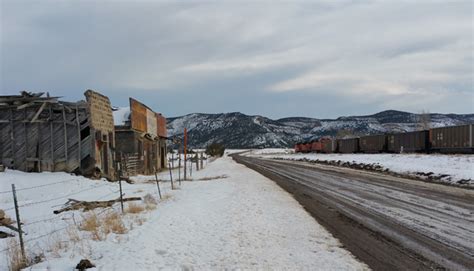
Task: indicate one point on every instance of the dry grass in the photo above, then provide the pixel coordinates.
(134, 208)
(15, 260)
(90, 223)
(101, 227)
(113, 223)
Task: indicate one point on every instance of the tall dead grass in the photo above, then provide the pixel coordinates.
(15, 260)
(134, 208)
(100, 227)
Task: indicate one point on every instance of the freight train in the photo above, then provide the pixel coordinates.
(452, 139)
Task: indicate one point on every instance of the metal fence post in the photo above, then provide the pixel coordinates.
(171, 177)
(191, 167)
(179, 168)
(121, 194)
(157, 182)
(18, 222)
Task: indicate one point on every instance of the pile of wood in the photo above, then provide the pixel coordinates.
(7, 222)
(73, 204)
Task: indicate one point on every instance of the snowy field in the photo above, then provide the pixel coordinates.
(228, 217)
(458, 167)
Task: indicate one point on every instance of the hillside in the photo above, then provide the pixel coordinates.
(237, 130)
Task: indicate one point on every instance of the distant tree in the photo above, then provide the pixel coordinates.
(215, 149)
(423, 120)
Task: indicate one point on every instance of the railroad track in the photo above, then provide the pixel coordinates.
(389, 223)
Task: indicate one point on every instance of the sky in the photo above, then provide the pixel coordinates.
(321, 59)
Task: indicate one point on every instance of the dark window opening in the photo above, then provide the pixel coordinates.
(85, 132)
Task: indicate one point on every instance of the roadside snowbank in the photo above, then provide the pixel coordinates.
(229, 217)
(458, 167)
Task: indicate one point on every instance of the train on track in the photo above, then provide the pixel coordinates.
(452, 139)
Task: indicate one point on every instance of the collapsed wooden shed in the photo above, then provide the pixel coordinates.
(141, 137)
(41, 133)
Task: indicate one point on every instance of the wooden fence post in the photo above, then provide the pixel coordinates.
(18, 222)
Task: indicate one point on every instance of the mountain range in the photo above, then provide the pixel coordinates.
(237, 130)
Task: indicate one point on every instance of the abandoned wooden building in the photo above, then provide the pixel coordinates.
(41, 133)
(141, 136)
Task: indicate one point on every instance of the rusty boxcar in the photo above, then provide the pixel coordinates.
(298, 147)
(454, 139)
(316, 146)
(348, 145)
(328, 145)
(373, 143)
(417, 141)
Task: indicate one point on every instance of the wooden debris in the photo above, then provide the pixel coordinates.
(5, 235)
(7, 222)
(73, 204)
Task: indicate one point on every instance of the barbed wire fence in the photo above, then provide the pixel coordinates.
(19, 208)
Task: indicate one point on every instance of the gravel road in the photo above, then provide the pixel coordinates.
(389, 223)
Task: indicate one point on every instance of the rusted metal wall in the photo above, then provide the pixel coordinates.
(348, 145)
(374, 143)
(161, 123)
(143, 119)
(417, 141)
(138, 116)
(454, 138)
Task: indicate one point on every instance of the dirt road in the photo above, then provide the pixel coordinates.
(389, 223)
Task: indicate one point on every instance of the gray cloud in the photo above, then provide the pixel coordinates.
(320, 59)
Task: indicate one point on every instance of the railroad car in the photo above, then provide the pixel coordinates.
(348, 145)
(417, 141)
(297, 147)
(453, 139)
(316, 146)
(305, 147)
(328, 145)
(373, 143)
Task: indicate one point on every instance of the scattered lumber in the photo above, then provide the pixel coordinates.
(7, 222)
(73, 204)
(4, 235)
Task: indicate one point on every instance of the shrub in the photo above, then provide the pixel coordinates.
(215, 149)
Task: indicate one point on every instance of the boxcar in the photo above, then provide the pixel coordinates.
(305, 147)
(316, 146)
(454, 139)
(298, 147)
(417, 141)
(373, 143)
(348, 145)
(328, 145)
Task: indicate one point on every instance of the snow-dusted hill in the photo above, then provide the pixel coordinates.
(237, 130)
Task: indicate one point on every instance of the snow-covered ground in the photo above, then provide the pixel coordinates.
(458, 167)
(229, 217)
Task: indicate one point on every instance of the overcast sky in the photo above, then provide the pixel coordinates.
(309, 58)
